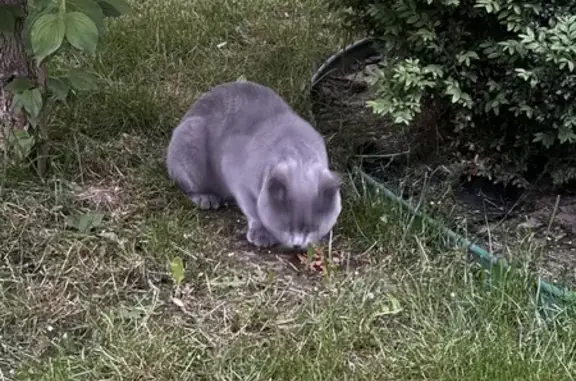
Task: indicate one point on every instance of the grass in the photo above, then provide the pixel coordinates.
(102, 305)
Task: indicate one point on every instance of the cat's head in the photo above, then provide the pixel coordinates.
(299, 204)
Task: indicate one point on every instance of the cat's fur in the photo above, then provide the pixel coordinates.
(242, 142)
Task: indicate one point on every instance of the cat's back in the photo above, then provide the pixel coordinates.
(239, 100)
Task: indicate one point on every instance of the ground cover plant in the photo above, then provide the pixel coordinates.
(500, 71)
(90, 288)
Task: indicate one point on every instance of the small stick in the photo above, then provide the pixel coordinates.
(554, 211)
(386, 155)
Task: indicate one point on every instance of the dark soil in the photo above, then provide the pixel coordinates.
(535, 226)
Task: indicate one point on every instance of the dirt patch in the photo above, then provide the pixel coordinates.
(535, 221)
(229, 226)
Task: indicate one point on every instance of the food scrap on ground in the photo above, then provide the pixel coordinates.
(315, 260)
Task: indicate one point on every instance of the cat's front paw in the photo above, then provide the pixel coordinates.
(206, 201)
(260, 237)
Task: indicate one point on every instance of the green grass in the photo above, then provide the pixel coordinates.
(103, 306)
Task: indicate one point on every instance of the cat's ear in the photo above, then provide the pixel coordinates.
(331, 184)
(277, 189)
(329, 188)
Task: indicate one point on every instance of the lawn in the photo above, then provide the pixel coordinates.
(102, 304)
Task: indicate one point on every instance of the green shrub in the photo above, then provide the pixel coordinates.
(503, 71)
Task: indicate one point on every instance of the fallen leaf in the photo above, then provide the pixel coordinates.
(177, 268)
(393, 308)
(85, 222)
(178, 302)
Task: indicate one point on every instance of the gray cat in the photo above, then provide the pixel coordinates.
(242, 142)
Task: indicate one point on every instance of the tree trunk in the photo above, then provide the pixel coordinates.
(15, 61)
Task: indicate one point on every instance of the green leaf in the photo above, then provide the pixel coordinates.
(177, 268)
(82, 80)
(546, 138)
(23, 143)
(91, 9)
(81, 31)
(16, 10)
(46, 35)
(413, 19)
(84, 223)
(310, 252)
(31, 100)
(58, 87)
(35, 11)
(7, 20)
(19, 84)
(9, 13)
(115, 8)
(17, 103)
(393, 308)
(42, 3)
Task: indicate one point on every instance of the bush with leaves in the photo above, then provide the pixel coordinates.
(503, 71)
(61, 29)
